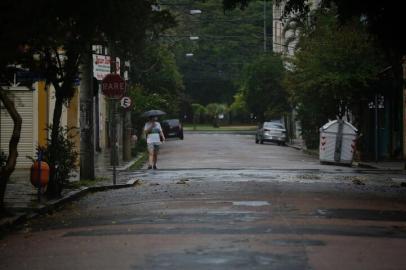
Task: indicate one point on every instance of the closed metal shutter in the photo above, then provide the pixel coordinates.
(23, 100)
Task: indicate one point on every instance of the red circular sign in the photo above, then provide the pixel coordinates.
(113, 86)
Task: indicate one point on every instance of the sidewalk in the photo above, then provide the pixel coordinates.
(21, 198)
(380, 165)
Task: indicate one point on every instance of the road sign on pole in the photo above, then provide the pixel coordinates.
(125, 102)
(113, 86)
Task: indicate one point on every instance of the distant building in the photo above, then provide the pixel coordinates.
(285, 37)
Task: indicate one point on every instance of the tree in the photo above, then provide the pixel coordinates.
(198, 111)
(157, 72)
(7, 169)
(227, 40)
(238, 108)
(334, 67)
(12, 52)
(157, 82)
(63, 32)
(214, 110)
(384, 20)
(262, 87)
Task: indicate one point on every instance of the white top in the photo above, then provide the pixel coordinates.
(154, 135)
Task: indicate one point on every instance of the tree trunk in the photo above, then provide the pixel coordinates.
(194, 122)
(53, 189)
(215, 122)
(87, 168)
(56, 120)
(8, 169)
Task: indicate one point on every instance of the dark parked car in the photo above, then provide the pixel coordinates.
(172, 128)
(271, 132)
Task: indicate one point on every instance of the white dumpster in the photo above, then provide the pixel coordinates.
(337, 142)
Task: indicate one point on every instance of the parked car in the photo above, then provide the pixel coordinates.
(172, 128)
(271, 132)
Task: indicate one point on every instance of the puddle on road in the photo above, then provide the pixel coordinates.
(251, 203)
(362, 214)
(215, 259)
(298, 242)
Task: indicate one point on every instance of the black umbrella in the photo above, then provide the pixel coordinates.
(153, 113)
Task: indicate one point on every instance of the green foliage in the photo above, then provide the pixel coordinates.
(262, 88)
(156, 70)
(214, 110)
(238, 108)
(198, 112)
(62, 154)
(158, 84)
(227, 40)
(144, 100)
(379, 17)
(334, 67)
(198, 109)
(140, 147)
(140, 161)
(62, 33)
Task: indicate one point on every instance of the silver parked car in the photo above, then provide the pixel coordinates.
(271, 132)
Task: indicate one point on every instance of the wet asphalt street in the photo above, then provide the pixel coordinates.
(224, 202)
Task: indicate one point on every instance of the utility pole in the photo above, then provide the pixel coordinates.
(265, 27)
(86, 118)
(376, 137)
(126, 122)
(404, 109)
(113, 119)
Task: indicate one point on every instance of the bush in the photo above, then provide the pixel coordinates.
(141, 146)
(62, 154)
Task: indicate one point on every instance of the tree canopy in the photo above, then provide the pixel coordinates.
(53, 38)
(226, 42)
(333, 68)
(262, 87)
(384, 19)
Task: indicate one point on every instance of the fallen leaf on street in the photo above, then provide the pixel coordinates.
(358, 182)
(154, 184)
(182, 181)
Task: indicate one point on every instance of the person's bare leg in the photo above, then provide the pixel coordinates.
(151, 157)
(155, 158)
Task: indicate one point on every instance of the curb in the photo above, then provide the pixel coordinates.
(8, 223)
(369, 166)
(364, 165)
(126, 166)
(294, 146)
(236, 132)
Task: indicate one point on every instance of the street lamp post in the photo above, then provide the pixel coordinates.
(265, 26)
(404, 109)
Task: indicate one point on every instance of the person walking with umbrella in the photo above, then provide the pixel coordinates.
(155, 137)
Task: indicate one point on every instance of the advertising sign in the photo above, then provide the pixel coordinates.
(101, 66)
